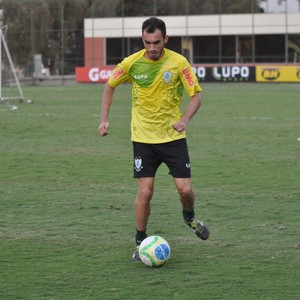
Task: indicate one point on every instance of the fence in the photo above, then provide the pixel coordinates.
(61, 43)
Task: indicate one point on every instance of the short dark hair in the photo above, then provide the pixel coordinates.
(153, 23)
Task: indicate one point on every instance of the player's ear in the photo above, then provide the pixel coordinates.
(166, 39)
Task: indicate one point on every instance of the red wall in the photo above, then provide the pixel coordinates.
(94, 52)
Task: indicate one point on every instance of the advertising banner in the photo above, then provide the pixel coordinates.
(93, 74)
(225, 73)
(235, 73)
(278, 73)
(207, 74)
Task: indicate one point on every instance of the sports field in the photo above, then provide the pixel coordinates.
(66, 198)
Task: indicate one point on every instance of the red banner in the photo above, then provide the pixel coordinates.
(93, 74)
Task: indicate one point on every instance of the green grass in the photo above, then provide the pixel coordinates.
(66, 199)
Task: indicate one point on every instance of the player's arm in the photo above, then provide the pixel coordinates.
(191, 109)
(106, 104)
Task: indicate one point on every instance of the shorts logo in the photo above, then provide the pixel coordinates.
(138, 164)
(188, 77)
(167, 77)
(188, 165)
(117, 74)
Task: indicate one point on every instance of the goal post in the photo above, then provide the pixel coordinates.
(11, 66)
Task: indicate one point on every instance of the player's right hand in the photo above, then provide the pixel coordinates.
(103, 129)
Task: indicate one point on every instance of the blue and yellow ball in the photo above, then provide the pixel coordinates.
(154, 251)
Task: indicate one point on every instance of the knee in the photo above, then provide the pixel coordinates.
(145, 192)
(185, 192)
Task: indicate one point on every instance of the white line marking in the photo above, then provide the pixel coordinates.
(8, 107)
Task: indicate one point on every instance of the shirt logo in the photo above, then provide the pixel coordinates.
(117, 74)
(167, 77)
(140, 76)
(188, 77)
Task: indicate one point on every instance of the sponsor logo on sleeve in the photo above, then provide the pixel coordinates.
(188, 77)
(117, 74)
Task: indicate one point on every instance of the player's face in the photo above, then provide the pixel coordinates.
(154, 44)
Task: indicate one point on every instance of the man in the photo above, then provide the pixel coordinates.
(158, 77)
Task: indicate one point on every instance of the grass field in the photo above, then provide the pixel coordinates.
(66, 199)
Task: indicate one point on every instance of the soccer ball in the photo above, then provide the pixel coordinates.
(154, 251)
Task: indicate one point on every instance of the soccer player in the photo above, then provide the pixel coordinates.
(158, 77)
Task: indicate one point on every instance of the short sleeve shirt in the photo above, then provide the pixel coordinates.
(157, 91)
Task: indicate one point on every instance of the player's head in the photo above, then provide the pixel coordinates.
(154, 38)
(153, 23)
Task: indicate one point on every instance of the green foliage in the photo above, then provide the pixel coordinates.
(66, 198)
(38, 27)
(191, 7)
(54, 28)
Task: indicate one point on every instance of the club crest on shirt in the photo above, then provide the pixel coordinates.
(138, 164)
(167, 77)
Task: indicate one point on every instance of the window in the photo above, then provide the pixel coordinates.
(206, 49)
(270, 48)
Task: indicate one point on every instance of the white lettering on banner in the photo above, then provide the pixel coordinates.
(96, 73)
(200, 72)
(105, 74)
(231, 72)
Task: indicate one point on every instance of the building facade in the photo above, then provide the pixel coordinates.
(263, 45)
(203, 39)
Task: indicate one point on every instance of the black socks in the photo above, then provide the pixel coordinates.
(188, 215)
(140, 236)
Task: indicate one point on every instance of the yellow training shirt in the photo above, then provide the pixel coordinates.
(157, 91)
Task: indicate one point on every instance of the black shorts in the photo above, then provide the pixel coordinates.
(148, 157)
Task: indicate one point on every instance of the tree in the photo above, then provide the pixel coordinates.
(182, 7)
(54, 28)
(35, 27)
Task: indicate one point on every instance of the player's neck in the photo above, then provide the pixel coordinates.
(148, 57)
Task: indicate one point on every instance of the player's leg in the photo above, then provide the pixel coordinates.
(177, 159)
(187, 199)
(142, 211)
(142, 206)
(186, 193)
(145, 166)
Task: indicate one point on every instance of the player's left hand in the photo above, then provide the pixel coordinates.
(179, 126)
